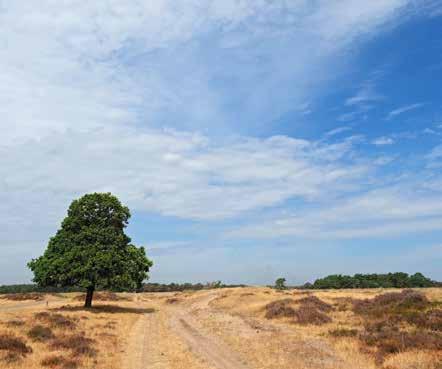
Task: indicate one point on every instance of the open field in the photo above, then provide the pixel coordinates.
(241, 328)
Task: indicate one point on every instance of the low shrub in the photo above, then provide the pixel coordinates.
(56, 320)
(310, 311)
(388, 338)
(104, 296)
(393, 303)
(77, 343)
(40, 333)
(343, 332)
(59, 362)
(431, 319)
(15, 323)
(343, 303)
(315, 303)
(23, 296)
(13, 347)
(310, 315)
(280, 309)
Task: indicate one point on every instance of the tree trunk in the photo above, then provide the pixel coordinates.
(89, 295)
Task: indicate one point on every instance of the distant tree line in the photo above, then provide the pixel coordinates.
(389, 280)
(28, 288)
(176, 287)
(146, 287)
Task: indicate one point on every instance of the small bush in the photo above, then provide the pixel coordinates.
(15, 347)
(310, 315)
(343, 332)
(40, 333)
(388, 338)
(343, 303)
(315, 303)
(15, 323)
(279, 309)
(23, 296)
(396, 303)
(78, 344)
(104, 296)
(59, 362)
(56, 320)
(431, 319)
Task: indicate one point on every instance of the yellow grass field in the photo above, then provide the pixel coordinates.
(224, 328)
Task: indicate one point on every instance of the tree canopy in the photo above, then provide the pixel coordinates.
(280, 284)
(91, 250)
(389, 280)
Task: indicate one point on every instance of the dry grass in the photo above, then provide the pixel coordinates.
(40, 333)
(311, 310)
(56, 320)
(37, 337)
(365, 328)
(59, 362)
(346, 329)
(104, 296)
(23, 296)
(13, 347)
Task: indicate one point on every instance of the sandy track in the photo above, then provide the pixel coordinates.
(202, 344)
(171, 338)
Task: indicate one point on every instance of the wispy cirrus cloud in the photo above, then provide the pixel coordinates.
(380, 141)
(403, 109)
(337, 131)
(367, 94)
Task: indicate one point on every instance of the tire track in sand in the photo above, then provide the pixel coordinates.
(206, 346)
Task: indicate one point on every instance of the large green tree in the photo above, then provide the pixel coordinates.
(91, 250)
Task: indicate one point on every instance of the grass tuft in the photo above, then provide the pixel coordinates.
(56, 320)
(14, 347)
(59, 362)
(40, 333)
(280, 309)
(77, 343)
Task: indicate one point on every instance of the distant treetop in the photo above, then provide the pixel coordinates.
(389, 280)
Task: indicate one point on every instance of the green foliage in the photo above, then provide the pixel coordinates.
(280, 284)
(178, 287)
(30, 288)
(390, 280)
(91, 250)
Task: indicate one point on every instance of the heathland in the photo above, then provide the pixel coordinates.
(237, 328)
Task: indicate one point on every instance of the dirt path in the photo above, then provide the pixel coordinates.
(202, 344)
(171, 338)
(190, 332)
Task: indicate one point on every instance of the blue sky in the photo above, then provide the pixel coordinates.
(251, 139)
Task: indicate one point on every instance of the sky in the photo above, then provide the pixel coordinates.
(251, 139)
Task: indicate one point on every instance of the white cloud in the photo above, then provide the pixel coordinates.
(87, 87)
(390, 212)
(404, 109)
(380, 141)
(171, 173)
(366, 94)
(337, 130)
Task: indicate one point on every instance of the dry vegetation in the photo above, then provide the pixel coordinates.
(65, 336)
(391, 329)
(23, 296)
(339, 329)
